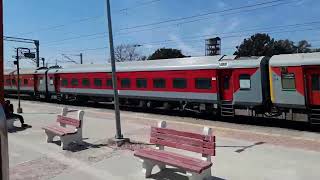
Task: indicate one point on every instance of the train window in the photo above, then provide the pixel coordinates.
(203, 83)
(245, 81)
(179, 83)
(64, 82)
(8, 81)
(125, 83)
(97, 82)
(13, 81)
(141, 83)
(74, 82)
(25, 81)
(315, 78)
(41, 80)
(288, 81)
(109, 83)
(85, 82)
(159, 83)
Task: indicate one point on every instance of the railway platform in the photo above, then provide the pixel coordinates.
(243, 151)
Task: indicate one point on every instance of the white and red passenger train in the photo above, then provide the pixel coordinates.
(283, 86)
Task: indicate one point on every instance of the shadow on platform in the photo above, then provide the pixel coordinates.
(16, 129)
(73, 147)
(175, 174)
(243, 148)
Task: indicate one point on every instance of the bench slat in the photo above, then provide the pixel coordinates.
(69, 121)
(173, 159)
(177, 145)
(182, 133)
(59, 130)
(184, 140)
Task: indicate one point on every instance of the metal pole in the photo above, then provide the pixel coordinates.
(81, 60)
(43, 62)
(19, 109)
(114, 76)
(36, 42)
(4, 157)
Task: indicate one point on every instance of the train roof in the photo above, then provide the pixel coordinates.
(205, 62)
(22, 71)
(295, 59)
(242, 62)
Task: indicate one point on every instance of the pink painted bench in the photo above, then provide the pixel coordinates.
(68, 129)
(198, 143)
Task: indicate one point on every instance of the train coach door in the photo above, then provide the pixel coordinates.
(225, 85)
(313, 86)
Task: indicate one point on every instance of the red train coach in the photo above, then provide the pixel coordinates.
(295, 86)
(185, 83)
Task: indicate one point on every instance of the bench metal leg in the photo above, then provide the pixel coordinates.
(205, 175)
(65, 141)
(147, 166)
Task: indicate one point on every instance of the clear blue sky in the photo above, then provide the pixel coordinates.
(57, 24)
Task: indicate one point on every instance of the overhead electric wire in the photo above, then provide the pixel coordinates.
(201, 15)
(139, 5)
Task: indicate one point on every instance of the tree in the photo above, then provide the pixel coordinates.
(166, 53)
(264, 45)
(283, 47)
(127, 52)
(256, 45)
(303, 47)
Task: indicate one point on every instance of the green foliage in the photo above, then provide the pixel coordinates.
(166, 53)
(263, 45)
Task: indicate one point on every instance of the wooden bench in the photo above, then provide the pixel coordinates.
(68, 129)
(199, 143)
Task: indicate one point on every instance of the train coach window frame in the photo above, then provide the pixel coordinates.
(25, 82)
(179, 83)
(85, 82)
(51, 81)
(141, 83)
(288, 81)
(315, 81)
(159, 83)
(125, 83)
(64, 82)
(14, 81)
(245, 81)
(203, 83)
(97, 82)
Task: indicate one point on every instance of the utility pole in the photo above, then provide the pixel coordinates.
(19, 109)
(37, 44)
(118, 135)
(43, 59)
(81, 60)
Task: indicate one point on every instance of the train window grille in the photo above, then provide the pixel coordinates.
(179, 83)
(8, 81)
(245, 82)
(203, 83)
(159, 83)
(141, 83)
(315, 78)
(97, 82)
(85, 82)
(288, 81)
(125, 83)
(74, 82)
(41, 81)
(64, 82)
(25, 81)
(109, 83)
(13, 81)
